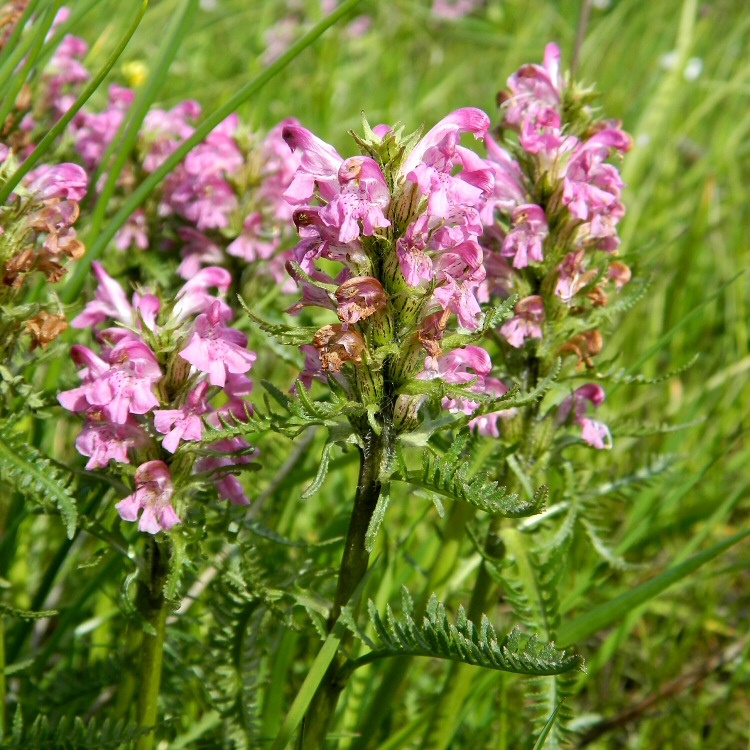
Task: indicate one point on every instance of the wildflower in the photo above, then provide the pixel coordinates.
(153, 493)
(217, 349)
(595, 433)
(527, 322)
(102, 441)
(183, 423)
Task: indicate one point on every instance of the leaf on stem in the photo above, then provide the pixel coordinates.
(461, 641)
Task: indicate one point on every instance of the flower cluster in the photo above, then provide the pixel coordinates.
(551, 223)
(403, 221)
(37, 235)
(222, 203)
(149, 389)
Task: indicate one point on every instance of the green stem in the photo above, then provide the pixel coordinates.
(392, 684)
(353, 568)
(154, 609)
(2, 679)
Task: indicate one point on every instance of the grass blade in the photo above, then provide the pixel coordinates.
(611, 612)
(60, 125)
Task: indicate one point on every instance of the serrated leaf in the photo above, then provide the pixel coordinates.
(377, 516)
(27, 614)
(284, 334)
(448, 476)
(36, 476)
(317, 483)
(460, 641)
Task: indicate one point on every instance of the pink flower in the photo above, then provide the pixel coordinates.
(466, 120)
(535, 91)
(572, 276)
(126, 387)
(415, 264)
(93, 367)
(279, 166)
(93, 132)
(527, 234)
(227, 485)
(216, 349)
(194, 296)
(595, 433)
(452, 10)
(134, 232)
(61, 181)
(255, 242)
(103, 441)
(487, 424)
(527, 322)
(197, 251)
(318, 167)
(453, 367)
(183, 423)
(459, 273)
(153, 493)
(109, 301)
(507, 192)
(364, 196)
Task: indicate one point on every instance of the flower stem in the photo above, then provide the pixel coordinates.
(373, 455)
(154, 608)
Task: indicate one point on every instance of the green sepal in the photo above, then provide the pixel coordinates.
(284, 334)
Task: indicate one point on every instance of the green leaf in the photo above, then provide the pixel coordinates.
(36, 476)
(26, 614)
(613, 611)
(449, 476)
(539, 744)
(285, 334)
(317, 483)
(461, 641)
(377, 516)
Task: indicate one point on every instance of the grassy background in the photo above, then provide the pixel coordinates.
(674, 673)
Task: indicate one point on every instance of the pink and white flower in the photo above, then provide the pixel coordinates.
(153, 495)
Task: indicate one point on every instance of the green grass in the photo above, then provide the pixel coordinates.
(673, 672)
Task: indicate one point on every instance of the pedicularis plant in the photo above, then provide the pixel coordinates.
(449, 294)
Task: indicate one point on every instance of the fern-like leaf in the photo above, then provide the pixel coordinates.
(73, 733)
(284, 334)
(448, 476)
(462, 641)
(40, 479)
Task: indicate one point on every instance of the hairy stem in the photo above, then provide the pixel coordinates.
(154, 608)
(353, 568)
